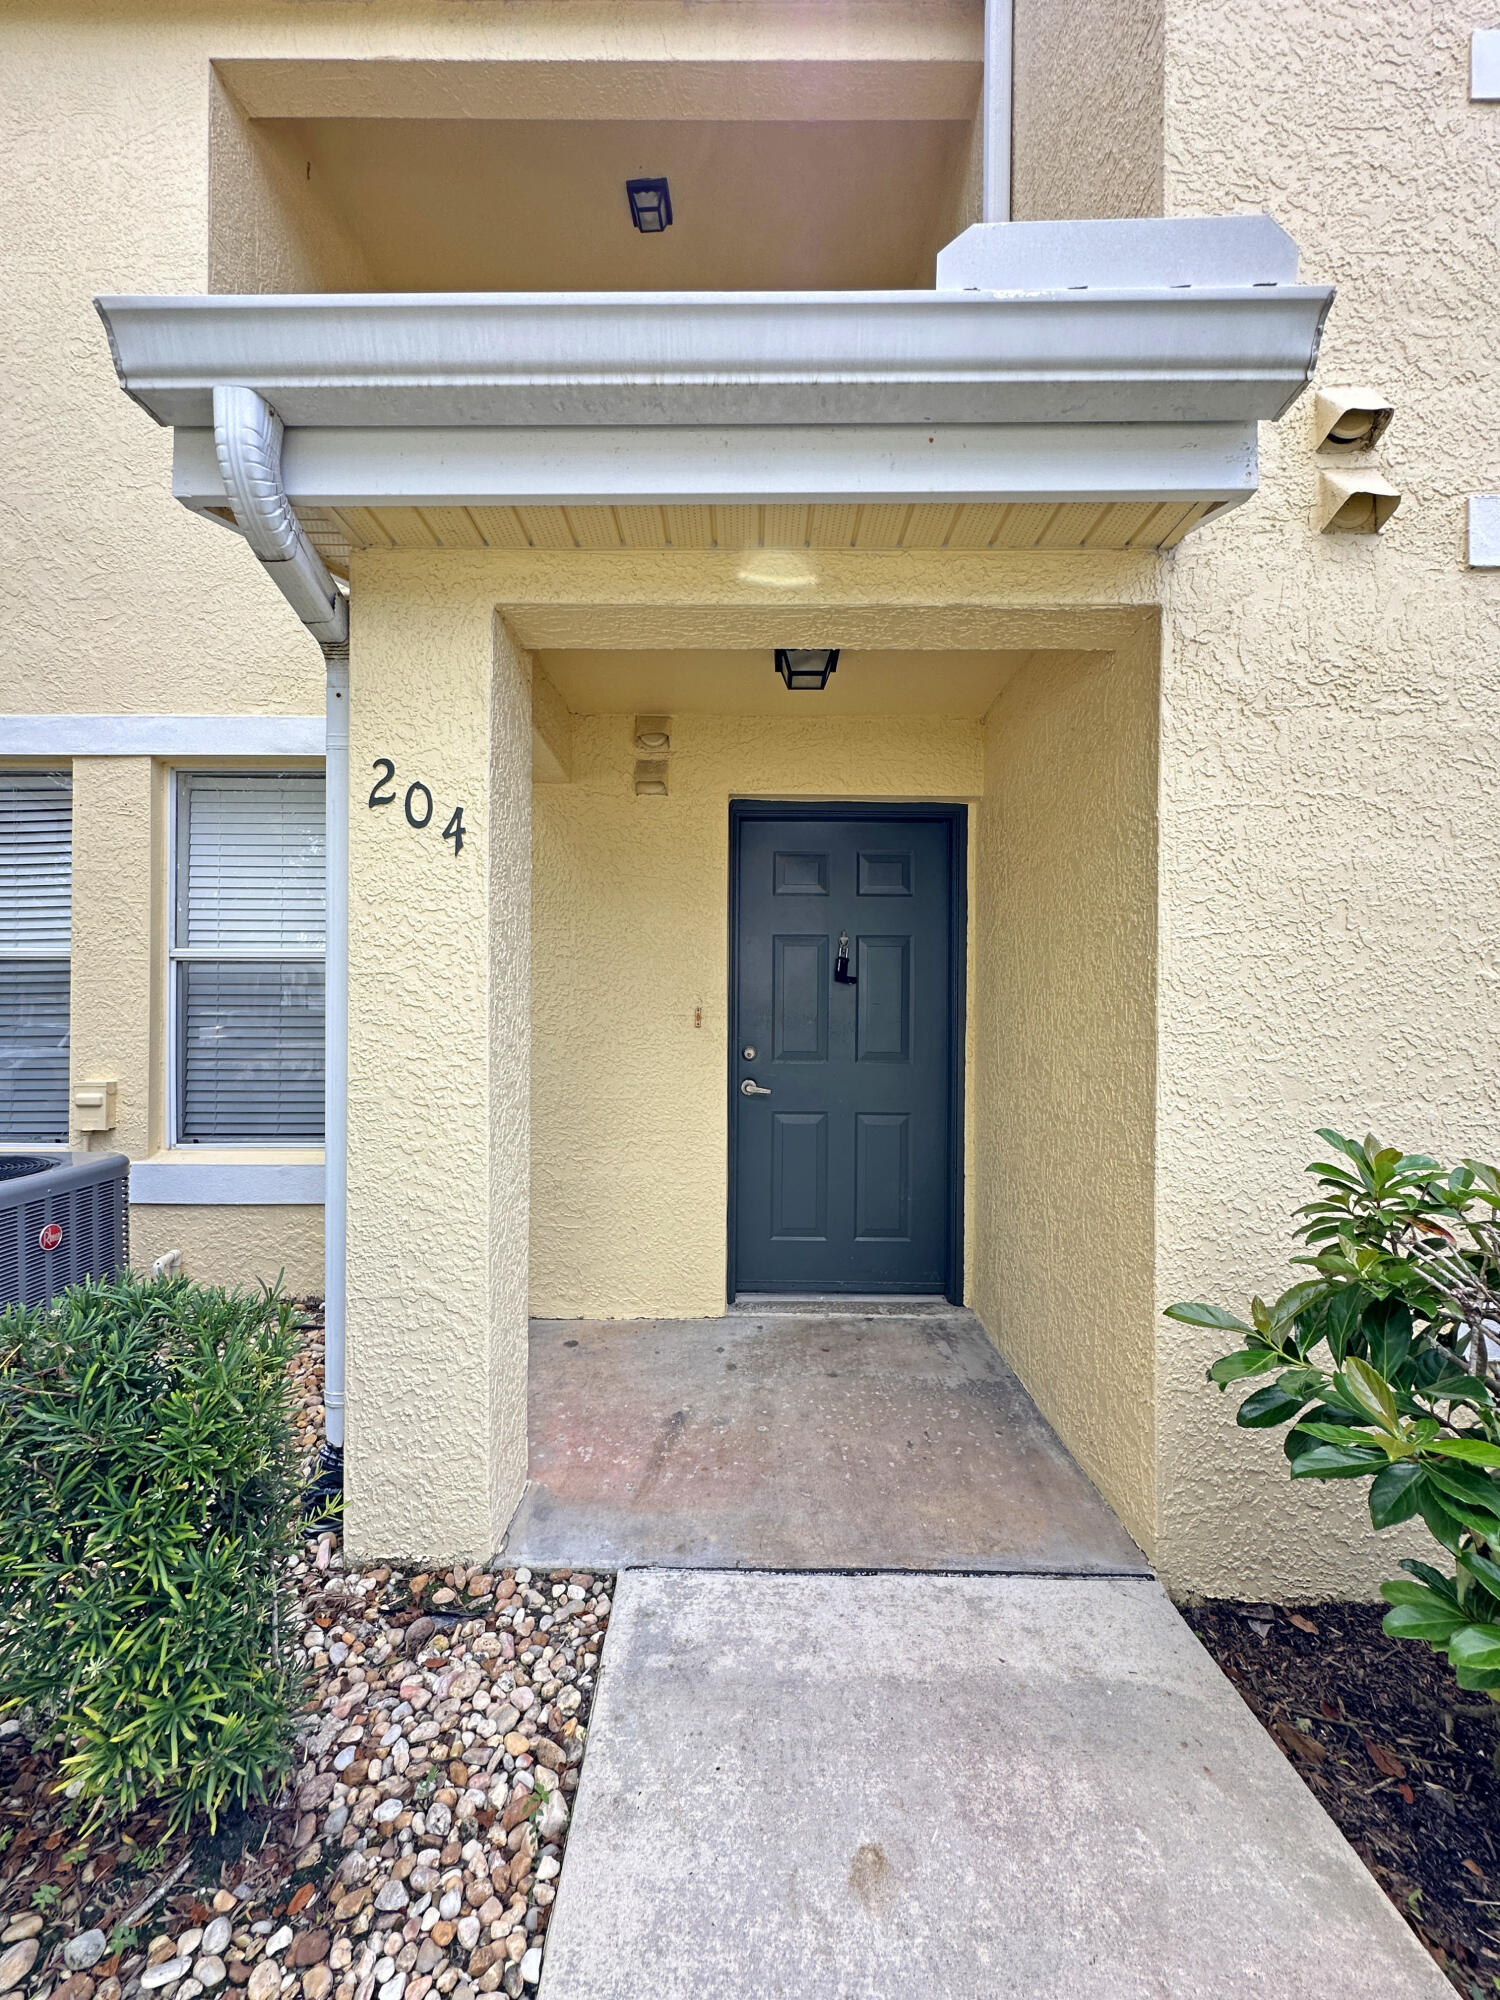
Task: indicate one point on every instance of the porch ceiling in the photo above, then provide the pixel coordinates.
(722, 681)
(336, 532)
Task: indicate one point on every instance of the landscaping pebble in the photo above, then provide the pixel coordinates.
(265, 1980)
(165, 1972)
(83, 1951)
(416, 1852)
(16, 1962)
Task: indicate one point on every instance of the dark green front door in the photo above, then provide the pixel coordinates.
(844, 1084)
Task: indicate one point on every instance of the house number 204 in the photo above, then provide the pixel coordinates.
(418, 803)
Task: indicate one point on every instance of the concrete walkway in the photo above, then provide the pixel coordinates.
(1026, 1781)
(799, 1440)
(954, 1788)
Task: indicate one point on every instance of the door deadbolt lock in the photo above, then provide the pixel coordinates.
(749, 1055)
(750, 1088)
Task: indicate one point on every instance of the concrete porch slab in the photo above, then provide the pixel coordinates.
(973, 1788)
(799, 1440)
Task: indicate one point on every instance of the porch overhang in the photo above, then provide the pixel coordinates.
(1142, 397)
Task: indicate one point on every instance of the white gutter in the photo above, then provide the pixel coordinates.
(1215, 352)
(248, 441)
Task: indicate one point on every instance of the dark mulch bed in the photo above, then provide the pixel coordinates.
(1389, 1742)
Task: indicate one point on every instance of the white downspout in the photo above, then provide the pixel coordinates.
(336, 1042)
(996, 107)
(247, 438)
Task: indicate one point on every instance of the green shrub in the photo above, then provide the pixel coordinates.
(147, 1502)
(1384, 1367)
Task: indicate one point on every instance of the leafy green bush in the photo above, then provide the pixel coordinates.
(1384, 1371)
(147, 1501)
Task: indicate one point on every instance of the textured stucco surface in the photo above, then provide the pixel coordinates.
(439, 1070)
(268, 228)
(629, 1134)
(1064, 1029)
(1327, 919)
(119, 942)
(234, 1246)
(111, 595)
(1088, 108)
(1331, 725)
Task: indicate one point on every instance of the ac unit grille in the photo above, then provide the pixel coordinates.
(64, 1223)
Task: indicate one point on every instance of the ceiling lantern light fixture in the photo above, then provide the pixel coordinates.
(650, 205)
(807, 667)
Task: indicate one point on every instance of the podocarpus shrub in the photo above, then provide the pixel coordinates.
(1384, 1360)
(147, 1504)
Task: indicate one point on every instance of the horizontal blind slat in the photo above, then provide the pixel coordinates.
(254, 862)
(252, 1056)
(36, 860)
(34, 1051)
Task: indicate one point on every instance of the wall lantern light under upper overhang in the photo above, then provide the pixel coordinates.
(806, 667)
(650, 205)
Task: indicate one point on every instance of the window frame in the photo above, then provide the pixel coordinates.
(54, 955)
(180, 955)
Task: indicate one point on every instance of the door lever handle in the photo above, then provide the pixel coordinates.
(750, 1088)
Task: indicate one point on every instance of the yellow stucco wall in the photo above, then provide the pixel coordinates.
(119, 941)
(1064, 1022)
(1331, 729)
(1088, 108)
(1327, 918)
(233, 1245)
(439, 1070)
(630, 996)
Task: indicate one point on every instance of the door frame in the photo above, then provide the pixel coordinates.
(956, 819)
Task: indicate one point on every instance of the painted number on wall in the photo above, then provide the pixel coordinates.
(417, 803)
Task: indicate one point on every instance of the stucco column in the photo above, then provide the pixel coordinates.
(439, 1064)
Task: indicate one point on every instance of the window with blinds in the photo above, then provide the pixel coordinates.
(247, 956)
(36, 895)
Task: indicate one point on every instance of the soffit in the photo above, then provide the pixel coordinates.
(336, 532)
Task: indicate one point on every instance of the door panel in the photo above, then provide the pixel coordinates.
(843, 1159)
(800, 874)
(799, 1176)
(885, 874)
(882, 1189)
(800, 986)
(882, 1004)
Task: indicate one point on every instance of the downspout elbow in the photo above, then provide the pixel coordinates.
(247, 439)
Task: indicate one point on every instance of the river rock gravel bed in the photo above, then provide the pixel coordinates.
(417, 1847)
